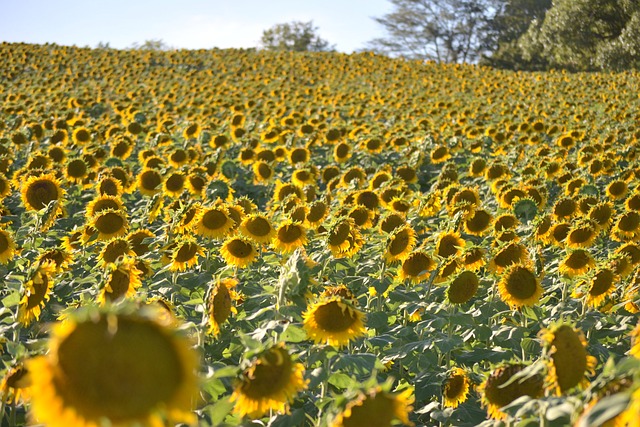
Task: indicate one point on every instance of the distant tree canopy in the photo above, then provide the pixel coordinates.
(515, 34)
(153, 44)
(294, 36)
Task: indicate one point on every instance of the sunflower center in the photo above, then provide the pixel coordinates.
(258, 226)
(41, 192)
(316, 212)
(239, 248)
(581, 235)
(463, 287)
(511, 254)
(77, 168)
(40, 284)
(454, 387)
(334, 316)
(121, 373)
(175, 183)
(214, 219)
(629, 222)
(339, 234)
(601, 283)
(103, 205)
(521, 283)
(109, 223)
(186, 252)
(577, 260)
(119, 284)
(479, 221)
(448, 246)
(108, 187)
(115, 250)
(269, 375)
(4, 243)
(390, 223)
(150, 180)
(289, 233)
(417, 264)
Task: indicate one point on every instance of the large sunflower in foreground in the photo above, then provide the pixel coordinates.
(333, 320)
(568, 361)
(271, 382)
(376, 408)
(118, 369)
(38, 191)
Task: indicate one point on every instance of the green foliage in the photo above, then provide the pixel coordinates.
(294, 36)
(442, 30)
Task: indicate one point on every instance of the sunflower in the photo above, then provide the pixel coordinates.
(109, 186)
(289, 236)
(318, 211)
(262, 172)
(376, 407)
(576, 262)
(37, 292)
(509, 254)
(501, 388)
(122, 282)
(391, 222)
(238, 251)
(449, 244)
(270, 383)
(477, 222)
(150, 182)
(582, 234)
(440, 154)
(568, 360)
(602, 214)
(344, 238)
(214, 222)
(463, 287)
(617, 190)
(220, 303)
(632, 251)
(362, 216)
(416, 267)
(61, 258)
(15, 385)
(86, 376)
(456, 388)
(7, 246)
(110, 223)
(174, 184)
(400, 244)
(185, 254)
(76, 170)
(564, 208)
(38, 191)
(257, 228)
(187, 221)
(334, 321)
(102, 203)
(474, 258)
(627, 227)
(519, 286)
(137, 241)
(601, 284)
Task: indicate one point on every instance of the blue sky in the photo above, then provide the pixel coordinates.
(191, 24)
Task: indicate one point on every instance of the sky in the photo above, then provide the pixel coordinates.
(190, 24)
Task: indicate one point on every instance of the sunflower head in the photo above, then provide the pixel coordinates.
(567, 358)
(376, 407)
(400, 244)
(86, 376)
(110, 223)
(238, 251)
(501, 388)
(220, 304)
(271, 382)
(417, 267)
(289, 236)
(334, 321)
(122, 281)
(519, 286)
(456, 388)
(38, 191)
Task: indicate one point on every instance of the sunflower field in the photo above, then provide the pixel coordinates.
(241, 237)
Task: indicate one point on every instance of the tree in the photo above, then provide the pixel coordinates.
(154, 44)
(512, 21)
(586, 35)
(294, 36)
(440, 30)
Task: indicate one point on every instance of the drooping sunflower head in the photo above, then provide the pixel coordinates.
(220, 304)
(344, 238)
(495, 394)
(568, 361)
(463, 287)
(238, 251)
(602, 283)
(334, 321)
(37, 291)
(519, 286)
(456, 388)
(271, 382)
(376, 407)
(38, 191)
(86, 377)
(139, 241)
(16, 383)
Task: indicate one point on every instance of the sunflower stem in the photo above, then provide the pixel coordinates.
(12, 422)
(5, 395)
(383, 270)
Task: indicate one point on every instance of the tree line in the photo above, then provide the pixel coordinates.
(577, 35)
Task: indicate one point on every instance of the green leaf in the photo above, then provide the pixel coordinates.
(341, 380)
(293, 334)
(219, 410)
(11, 300)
